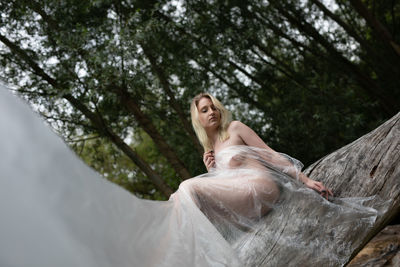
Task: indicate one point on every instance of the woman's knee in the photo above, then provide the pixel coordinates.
(189, 185)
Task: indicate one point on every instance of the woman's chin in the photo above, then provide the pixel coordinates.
(214, 124)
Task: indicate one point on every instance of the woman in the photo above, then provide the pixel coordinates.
(57, 211)
(208, 113)
(247, 181)
(219, 196)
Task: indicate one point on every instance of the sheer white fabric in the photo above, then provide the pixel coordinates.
(56, 211)
(242, 188)
(253, 189)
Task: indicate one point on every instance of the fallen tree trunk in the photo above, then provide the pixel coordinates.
(382, 250)
(368, 166)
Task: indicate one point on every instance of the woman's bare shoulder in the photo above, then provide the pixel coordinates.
(235, 125)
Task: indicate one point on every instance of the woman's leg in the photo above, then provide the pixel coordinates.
(249, 197)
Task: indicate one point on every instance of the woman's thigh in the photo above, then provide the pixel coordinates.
(250, 196)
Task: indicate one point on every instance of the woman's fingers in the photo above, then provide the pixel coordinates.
(325, 192)
(208, 152)
(320, 188)
(211, 164)
(330, 192)
(208, 159)
(207, 155)
(211, 159)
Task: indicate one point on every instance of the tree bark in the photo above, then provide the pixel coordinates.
(382, 250)
(147, 125)
(99, 124)
(175, 105)
(366, 167)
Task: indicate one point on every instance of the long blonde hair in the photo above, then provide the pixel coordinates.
(226, 118)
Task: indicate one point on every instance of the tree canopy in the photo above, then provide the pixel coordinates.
(115, 78)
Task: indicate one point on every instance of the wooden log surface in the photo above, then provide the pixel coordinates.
(305, 231)
(382, 250)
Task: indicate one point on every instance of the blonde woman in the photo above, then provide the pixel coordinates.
(215, 130)
(60, 212)
(246, 179)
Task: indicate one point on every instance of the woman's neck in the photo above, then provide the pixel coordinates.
(213, 136)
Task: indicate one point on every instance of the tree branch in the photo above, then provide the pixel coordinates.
(97, 121)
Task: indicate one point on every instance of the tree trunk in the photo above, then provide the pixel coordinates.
(243, 94)
(94, 118)
(379, 29)
(366, 167)
(381, 60)
(371, 88)
(145, 122)
(382, 250)
(344, 25)
(101, 127)
(174, 104)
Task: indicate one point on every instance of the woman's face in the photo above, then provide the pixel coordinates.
(209, 115)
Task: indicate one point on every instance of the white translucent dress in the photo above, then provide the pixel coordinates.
(56, 211)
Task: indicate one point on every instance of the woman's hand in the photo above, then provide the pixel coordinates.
(319, 187)
(208, 159)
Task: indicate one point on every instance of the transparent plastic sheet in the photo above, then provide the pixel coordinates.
(253, 190)
(56, 211)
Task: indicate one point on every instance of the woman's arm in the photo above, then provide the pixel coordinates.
(250, 138)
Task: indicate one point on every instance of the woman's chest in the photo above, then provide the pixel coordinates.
(233, 140)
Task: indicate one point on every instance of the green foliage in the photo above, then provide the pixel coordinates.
(285, 68)
(107, 159)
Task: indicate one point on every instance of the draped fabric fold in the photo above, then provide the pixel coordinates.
(251, 187)
(56, 211)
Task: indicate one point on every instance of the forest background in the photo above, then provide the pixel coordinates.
(115, 79)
